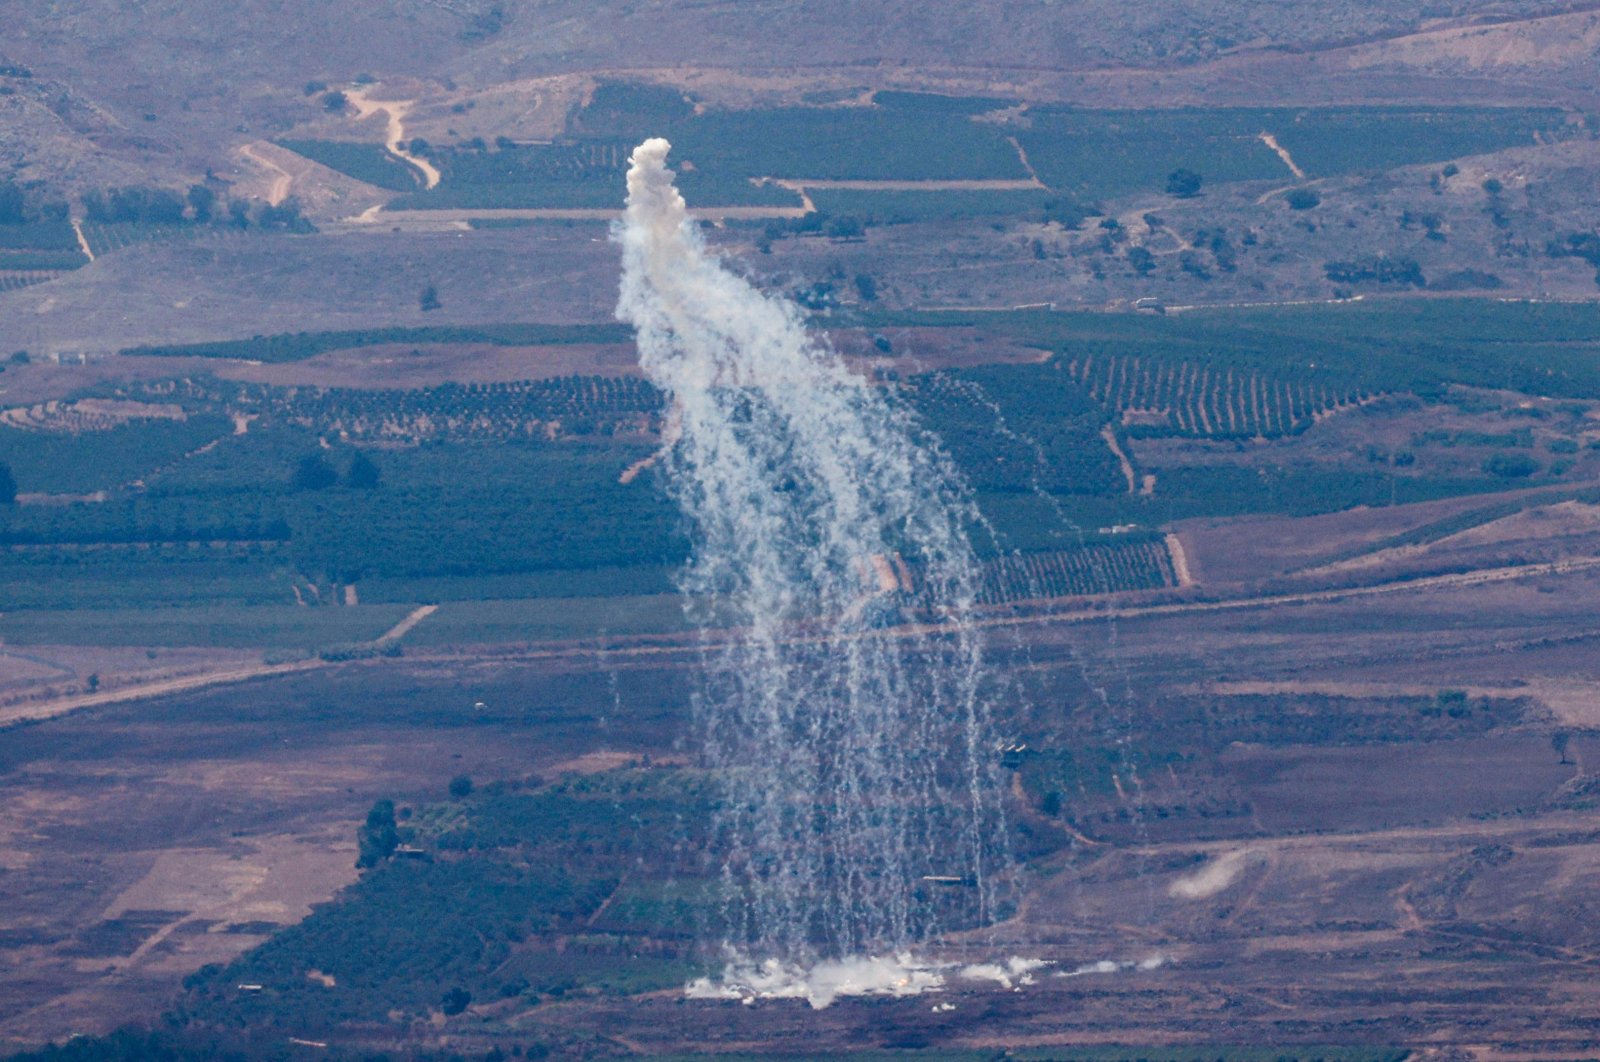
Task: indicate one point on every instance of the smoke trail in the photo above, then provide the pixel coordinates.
(857, 760)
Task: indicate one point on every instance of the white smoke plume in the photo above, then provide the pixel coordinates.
(825, 982)
(858, 765)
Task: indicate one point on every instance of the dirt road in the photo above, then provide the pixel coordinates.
(396, 111)
(83, 243)
(401, 629)
(282, 179)
(422, 220)
(673, 646)
(32, 713)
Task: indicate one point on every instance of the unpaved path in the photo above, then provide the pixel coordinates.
(1180, 560)
(83, 242)
(401, 629)
(282, 179)
(396, 111)
(462, 218)
(800, 184)
(1022, 157)
(1283, 153)
(1453, 581)
(673, 647)
(31, 713)
(40, 710)
(413, 220)
(1109, 434)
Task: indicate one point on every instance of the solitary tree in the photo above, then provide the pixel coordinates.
(460, 786)
(12, 204)
(378, 837)
(335, 102)
(1559, 741)
(314, 472)
(455, 1001)
(8, 485)
(363, 473)
(203, 201)
(1185, 184)
(429, 299)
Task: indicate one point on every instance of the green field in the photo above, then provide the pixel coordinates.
(516, 866)
(54, 462)
(232, 626)
(542, 619)
(24, 260)
(1092, 154)
(1113, 153)
(297, 346)
(1379, 345)
(895, 208)
(1335, 141)
(584, 175)
(365, 162)
(39, 236)
(500, 500)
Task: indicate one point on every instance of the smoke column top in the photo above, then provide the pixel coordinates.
(698, 324)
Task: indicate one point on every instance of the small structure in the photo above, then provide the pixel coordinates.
(1011, 756)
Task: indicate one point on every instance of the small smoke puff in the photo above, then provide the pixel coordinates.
(1213, 877)
(1108, 966)
(1015, 971)
(1104, 966)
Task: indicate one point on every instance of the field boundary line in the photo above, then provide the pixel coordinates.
(1454, 580)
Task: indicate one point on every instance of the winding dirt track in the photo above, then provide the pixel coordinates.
(281, 182)
(396, 111)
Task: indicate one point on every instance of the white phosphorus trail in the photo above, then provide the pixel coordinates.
(860, 812)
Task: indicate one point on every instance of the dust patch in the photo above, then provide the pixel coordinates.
(1215, 876)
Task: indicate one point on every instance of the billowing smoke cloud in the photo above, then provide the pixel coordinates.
(825, 982)
(847, 718)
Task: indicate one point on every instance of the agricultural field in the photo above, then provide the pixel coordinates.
(262, 626)
(371, 163)
(873, 208)
(1102, 154)
(301, 345)
(489, 491)
(347, 692)
(724, 155)
(1158, 746)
